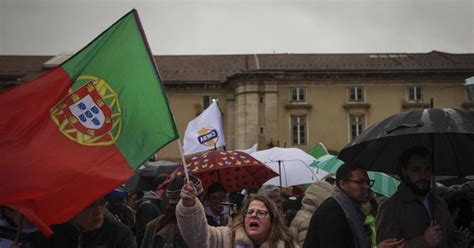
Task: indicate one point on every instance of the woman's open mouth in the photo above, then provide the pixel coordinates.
(253, 225)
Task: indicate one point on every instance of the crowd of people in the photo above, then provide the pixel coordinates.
(339, 211)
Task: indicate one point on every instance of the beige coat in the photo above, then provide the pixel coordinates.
(316, 194)
(197, 234)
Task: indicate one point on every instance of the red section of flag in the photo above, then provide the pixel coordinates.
(44, 175)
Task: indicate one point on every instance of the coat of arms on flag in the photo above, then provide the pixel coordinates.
(85, 117)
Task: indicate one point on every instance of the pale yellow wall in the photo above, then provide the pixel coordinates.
(327, 119)
(447, 96)
(229, 118)
(270, 115)
(329, 123)
(246, 109)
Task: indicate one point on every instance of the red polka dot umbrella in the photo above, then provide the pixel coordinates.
(234, 169)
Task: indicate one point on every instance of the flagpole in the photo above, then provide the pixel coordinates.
(182, 159)
(222, 128)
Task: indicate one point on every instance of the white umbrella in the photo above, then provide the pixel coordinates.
(292, 164)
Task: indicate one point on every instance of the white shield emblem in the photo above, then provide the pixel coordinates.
(88, 113)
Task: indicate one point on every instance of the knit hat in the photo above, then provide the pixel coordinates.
(174, 189)
(268, 190)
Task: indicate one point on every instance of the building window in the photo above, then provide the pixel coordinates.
(357, 125)
(298, 129)
(356, 94)
(298, 94)
(415, 93)
(207, 100)
(262, 130)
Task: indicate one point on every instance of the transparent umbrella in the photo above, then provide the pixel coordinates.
(292, 164)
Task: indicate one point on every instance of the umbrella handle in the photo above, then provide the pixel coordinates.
(433, 201)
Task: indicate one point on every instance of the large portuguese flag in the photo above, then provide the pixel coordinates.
(80, 130)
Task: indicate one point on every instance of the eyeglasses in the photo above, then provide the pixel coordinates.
(260, 213)
(362, 182)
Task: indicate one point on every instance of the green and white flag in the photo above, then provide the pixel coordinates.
(470, 87)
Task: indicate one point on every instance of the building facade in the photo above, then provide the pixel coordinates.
(293, 100)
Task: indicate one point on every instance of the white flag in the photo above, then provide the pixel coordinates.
(251, 149)
(205, 131)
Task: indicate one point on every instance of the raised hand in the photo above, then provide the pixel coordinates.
(465, 234)
(433, 235)
(188, 194)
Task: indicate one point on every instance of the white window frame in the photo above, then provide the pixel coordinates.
(298, 94)
(359, 125)
(301, 130)
(357, 97)
(416, 90)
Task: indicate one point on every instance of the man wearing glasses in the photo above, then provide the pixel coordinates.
(339, 221)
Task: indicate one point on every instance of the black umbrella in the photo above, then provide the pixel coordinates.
(448, 133)
(143, 179)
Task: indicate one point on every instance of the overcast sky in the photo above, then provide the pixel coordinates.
(49, 27)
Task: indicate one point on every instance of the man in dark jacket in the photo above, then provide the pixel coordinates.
(339, 221)
(408, 213)
(92, 228)
(150, 207)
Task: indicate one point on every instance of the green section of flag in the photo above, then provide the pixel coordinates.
(318, 151)
(329, 163)
(120, 56)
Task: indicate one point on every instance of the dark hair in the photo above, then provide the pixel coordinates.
(159, 179)
(215, 187)
(419, 151)
(345, 171)
(460, 202)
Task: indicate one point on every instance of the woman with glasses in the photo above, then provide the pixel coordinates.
(259, 225)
